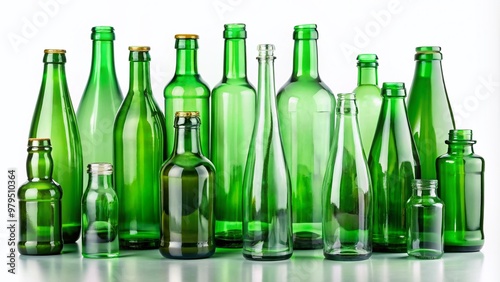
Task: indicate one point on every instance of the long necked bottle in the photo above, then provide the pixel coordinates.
(429, 109)
(40, 227)
(267, 215)
(368, 98)
(347, 211)
(233, 117)
(55, 118)
(394, 164)
(139, 152)
(187, 91)
(100, 100)
(306, 108)
(187, 195)
(460, 174)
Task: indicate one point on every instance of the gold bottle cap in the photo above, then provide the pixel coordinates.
(186, 36)
(39, 139)
(139, 48)
(187, 114)
(54, 51)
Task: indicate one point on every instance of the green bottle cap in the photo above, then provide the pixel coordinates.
(393, 89)
(235, 31)
(428, 53)
(103, 33)
(305, 31)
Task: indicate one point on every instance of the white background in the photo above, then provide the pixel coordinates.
(467, 31)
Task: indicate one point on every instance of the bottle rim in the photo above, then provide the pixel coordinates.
(393, 89)
(234, 31)
(54, 51)
(305, 32)
(428, 53)
(424, 184)
(139, 48)
(101, 168)
(266, 51)
(187, 114)
(103, 33)
(460, 136)
(186, 36)
(367, 60)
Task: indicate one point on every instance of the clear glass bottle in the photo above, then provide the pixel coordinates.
(461, 179)
(424, 214)
(100, 214)
(233, 117)
(267, 215)
(306, 112)
(347, 211)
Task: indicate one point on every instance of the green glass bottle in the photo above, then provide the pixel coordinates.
(233, 117)
(429, 110)
(40, 226)
(100, 214)
(368, 98)
(187, 91)
(139, 152)
(100, 100)
(55, 118)
(187, 195)
(347, 210)
(461, 179)
(267, 214)
(306, 112)
(393, 164)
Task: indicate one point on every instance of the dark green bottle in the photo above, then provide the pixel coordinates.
(394, 164)
(233, 117)
(139, 152)
(40, 226)
(306, 108)
(187, 91)
(187, 195)
(55, 118)
(267, 214)
(429, 110)
(461, 179)
(347, 210)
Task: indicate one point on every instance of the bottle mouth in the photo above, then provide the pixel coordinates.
(305, 31)
(367, 60)
(100, 168)
(187, 119)
(265, 51)
(428, 53)
(234, 31)
(139, 54)
(39, 142)
(424, 184)
(393, 89)
(54, 56)
(186, 41)
(103, 33)
(460, 135)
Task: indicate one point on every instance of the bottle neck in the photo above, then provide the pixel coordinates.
(425, 192)
(39, 165)
(187, 140)
(54, 78)
(100, 181)
(187, 63)
(429, 69)
(460, 148)
(348, 136)
(140, 80)
(235, 65)
(367, 76)
(305, 59)
(103, 64)
(266, 92)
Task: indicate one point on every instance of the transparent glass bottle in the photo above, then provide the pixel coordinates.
(267, 215)
(306, 112)
(40, 226)
(461, 179)
(233, 117)
(347, 211)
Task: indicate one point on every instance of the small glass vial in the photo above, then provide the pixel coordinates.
(424, 212)
(100, 214)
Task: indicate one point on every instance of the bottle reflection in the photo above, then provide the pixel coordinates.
(353, 271)
(266, 271)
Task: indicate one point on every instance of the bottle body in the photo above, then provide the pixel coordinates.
(55, 118)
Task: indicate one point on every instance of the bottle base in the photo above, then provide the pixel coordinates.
(258, 257)
(426, 254)
(462, 249)
(389, 248)
(101, 255)
(229, 239)
(139, 244)
(179, 254)
(307, 241)
(347, 256)
(71, 233)
(32, 248)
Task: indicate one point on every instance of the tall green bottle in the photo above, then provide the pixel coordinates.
(429, 109)
(368, 98)
(40, 229)
(55, 118)
(306, 108)
(187, 91)
(267, 214)
(100, 100)
(233, 117)
(394, 164)
(139, 152)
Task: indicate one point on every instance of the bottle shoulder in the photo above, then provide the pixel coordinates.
(242, 89)
(304, 87)
(187, 161)
(39, 190)
(186, 86)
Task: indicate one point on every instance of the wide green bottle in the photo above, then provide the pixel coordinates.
(393, 164)
(267, 214)
(347, 209)
(306, 112)
(187, 195)
(187, 91)
(40, 227)
(139, 152)
(233, 117)
(429, 110)
(100, 100)
(55, 118)
(460, 174)
(368, 98)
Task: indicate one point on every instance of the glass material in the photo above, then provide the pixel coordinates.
(429, 110)
(40, 226)
(187, 91)
(368, 98)
(233, 117)
(347, 211)
(393, 164)
(187, 195)
(267, 214)
(306, 108)
(100, 101)
(461, 176)
(424, 214)
(55, 118)
(139, 152)
(100, 214)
